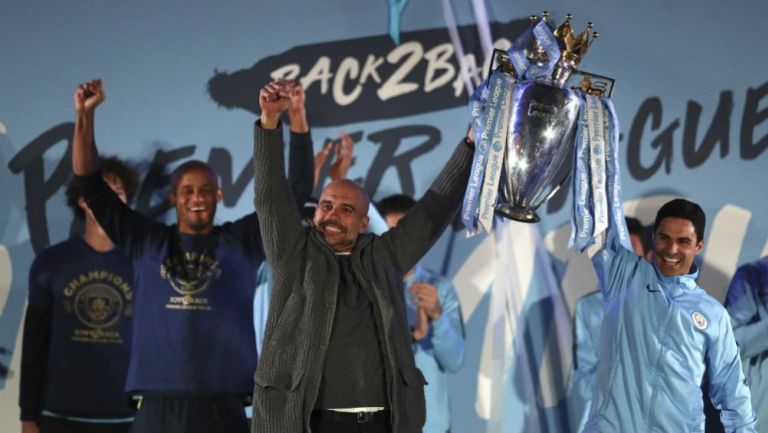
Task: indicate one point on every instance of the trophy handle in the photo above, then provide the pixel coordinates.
(596, 84)
(500, 59)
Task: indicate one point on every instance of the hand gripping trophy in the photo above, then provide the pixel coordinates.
(526, 121)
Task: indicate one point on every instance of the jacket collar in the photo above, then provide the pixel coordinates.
(680, 283)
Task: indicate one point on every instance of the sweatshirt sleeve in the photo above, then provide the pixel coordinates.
(728, 389)
(35, 343)
(124, 226)
(301, 168)
(422, 226)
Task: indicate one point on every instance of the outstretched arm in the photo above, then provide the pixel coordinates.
(280, 223)
(597, 216)
(300, 159)
(420, 228)
(123, 225)
(85, 157)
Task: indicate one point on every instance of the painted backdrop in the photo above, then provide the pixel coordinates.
(182, 80)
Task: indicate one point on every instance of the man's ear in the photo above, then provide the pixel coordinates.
(172, 198)
(699, 246)
(219, 195)
(363, 224)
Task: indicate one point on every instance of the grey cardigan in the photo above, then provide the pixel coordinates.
(306, 279)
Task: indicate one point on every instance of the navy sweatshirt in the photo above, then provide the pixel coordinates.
(77, 333)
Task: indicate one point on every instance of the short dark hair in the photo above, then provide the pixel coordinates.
(635, 227)
(110, 166)
(685, 209)
(193, 164)
(398, 203)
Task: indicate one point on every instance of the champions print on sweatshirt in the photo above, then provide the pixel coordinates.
(99, 299)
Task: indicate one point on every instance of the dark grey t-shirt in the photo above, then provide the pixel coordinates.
(353, 375)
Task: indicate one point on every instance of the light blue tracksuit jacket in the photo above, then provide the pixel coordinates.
(660, 335)
(441, 352)
(747, 303)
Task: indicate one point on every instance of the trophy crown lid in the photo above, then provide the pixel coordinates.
(574, 47)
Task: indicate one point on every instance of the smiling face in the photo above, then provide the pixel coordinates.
(342, 214)
(195, 196)
(675, 246)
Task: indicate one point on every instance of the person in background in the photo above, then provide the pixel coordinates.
(77, 330)
(747, 303)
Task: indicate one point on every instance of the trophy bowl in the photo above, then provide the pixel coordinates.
(542, 125)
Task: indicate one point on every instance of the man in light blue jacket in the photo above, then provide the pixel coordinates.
(747, 303)
(661, 333)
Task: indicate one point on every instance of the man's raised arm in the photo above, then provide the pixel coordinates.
(422, 226)
(280, 222)
(85, 157)
(124, 226)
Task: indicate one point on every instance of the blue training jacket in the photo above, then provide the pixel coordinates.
(660, 335)
(441, 352)
(747, 303)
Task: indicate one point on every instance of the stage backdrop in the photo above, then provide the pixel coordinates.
(182, 81)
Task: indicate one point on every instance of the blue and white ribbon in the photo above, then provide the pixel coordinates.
(617, 224)
(486, 114)
(596, 130)
(501, 102)
(470, 206)
(523, 67)
(582, 223)
(597, 210)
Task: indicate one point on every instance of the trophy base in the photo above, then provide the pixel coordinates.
(517, 213)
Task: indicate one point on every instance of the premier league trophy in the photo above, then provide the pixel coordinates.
(525, 122)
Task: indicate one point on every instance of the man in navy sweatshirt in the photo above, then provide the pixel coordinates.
(193, 352)
(77, 330)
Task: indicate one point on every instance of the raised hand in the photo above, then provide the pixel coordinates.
(297, 112)
(320, 159)
(88, 96)
(274, 98)
(343, 157)
(85, 157)
(296, 95)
